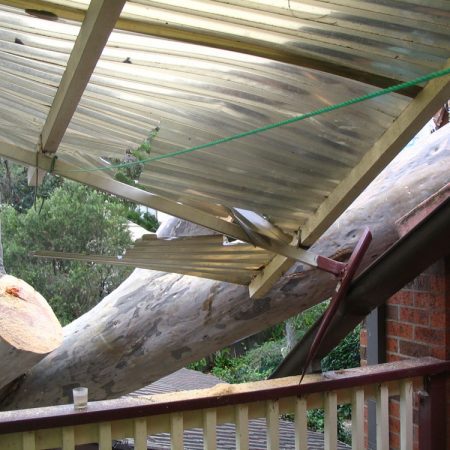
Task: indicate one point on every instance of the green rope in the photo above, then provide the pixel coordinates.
(317, 112)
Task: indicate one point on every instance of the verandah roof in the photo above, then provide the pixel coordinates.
(202, 70)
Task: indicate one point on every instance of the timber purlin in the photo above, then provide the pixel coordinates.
(65, 415)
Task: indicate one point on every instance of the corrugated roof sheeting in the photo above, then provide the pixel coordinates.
(202, 256)
(196, 94)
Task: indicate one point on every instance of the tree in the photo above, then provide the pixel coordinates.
(14, 188)
(75, 219)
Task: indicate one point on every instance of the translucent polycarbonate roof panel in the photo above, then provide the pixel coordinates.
(289, 58)
(202, 256)
(374, 41)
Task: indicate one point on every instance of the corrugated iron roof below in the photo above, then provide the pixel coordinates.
(181, 380)
(185, 379)
(226, 438)
(202, 256)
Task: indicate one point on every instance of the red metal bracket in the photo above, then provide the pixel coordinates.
(346, 274)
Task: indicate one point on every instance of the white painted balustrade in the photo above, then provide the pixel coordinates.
(103, 422)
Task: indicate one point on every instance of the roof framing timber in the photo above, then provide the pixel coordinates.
(97, 25)
(94, 33)
(413, 118)
(141, 197)
(167, 29)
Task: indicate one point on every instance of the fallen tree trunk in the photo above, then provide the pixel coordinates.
(29, 329)
(156, 323)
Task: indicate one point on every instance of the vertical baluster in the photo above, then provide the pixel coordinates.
(28, 440)
(176, 431)
(301, 432)
(209, 429)
(383, 417)
(273, 425)
(406, 415)
(358, 419)
(241, 419)
(140, 434)
(68, 438)
(330, 432)
(104, 436)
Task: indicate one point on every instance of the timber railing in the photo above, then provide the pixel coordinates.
(105, 421)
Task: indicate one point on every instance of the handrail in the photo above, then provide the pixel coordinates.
(219, 396)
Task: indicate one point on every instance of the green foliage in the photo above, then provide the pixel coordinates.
(14, 189)
(345, 355)
(305, 320)
(200, 365)
(132, 169)
(257, 364)
(316, 422)
(146, 220)
(74, 219)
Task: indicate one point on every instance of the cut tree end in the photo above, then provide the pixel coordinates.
(27, 322)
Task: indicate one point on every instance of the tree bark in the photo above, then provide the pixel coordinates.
(156, 323)
(28, 328)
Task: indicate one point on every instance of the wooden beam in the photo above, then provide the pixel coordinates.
(141, 197)
(404, 128)
(98, 23)
(94, 33)
(269, 275)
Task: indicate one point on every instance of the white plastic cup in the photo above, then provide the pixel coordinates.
(80, 397)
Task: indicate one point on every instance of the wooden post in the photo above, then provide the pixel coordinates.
(176, 431)
(432, 414)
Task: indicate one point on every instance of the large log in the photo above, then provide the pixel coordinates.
(156, 323)
(29, 329)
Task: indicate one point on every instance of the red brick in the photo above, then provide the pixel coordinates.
(437, 319)
(429, 336)
(363, 337)
(413, 349)
(402, 298)
(392, 345)
(439, 352)
(402, 330)
(392, 357)
(392, 312)
(437, 284)
(394, 441)
(394, 425)
(426, 300)
(394, 408)
(414, 315)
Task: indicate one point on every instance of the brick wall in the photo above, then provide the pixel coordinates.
(418, 324)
